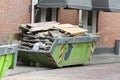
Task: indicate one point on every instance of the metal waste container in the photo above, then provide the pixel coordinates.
(8, 57)
(65, 51)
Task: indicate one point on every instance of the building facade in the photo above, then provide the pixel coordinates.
(16, 12)
(105, 24)
(108, 26)
(12, 14)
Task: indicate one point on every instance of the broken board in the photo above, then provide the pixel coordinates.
(72, 29)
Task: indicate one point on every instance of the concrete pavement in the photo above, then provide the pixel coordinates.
(92, 72)
(24, 69)
(95, 60)
(109, 62)
(104, 59)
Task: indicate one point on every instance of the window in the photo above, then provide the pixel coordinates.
(46, 14)
(88, 20)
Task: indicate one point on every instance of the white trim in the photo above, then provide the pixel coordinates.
(43, 15)
(80, 18)
(54, 13)
(94, 22)
(35, 2)
(85, 19)
(32, 12)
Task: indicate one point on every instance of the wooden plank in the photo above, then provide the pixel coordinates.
(26, 43)
(40, 24)
(32, 40)
(43, 28)
(56, 34)
(73, 30)
(24, 47)
(23, 28)
(45, 33)
(40, 35)
(30, 36)
(66, 26)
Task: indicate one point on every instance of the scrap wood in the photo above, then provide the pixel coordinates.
(66, 26)
(43, 28)
(30, 36)
(26, 43)
(56, 34)
(72, 29)
(32, 40)
(41, 24)
(24, 47)
(23, 28)
(40, 35)
(43, 35)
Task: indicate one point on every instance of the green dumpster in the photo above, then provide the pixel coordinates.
(8, 58)
(65, 51)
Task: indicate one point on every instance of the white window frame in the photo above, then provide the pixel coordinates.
(43, 14)
(94, 22)
(83, 19)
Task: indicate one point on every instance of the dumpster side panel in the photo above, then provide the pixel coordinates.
(5, 62)
(36, 59)
(58, 53)
(43, 59)
(64, 51)
(73, 54)
(8, 57)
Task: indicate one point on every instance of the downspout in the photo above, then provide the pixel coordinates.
(32, 12)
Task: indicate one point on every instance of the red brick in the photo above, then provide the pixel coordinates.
(68, 16)
(111, 22)
(12, 14)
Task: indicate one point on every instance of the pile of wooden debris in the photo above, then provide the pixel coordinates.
(40, 36)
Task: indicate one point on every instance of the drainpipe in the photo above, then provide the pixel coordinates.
(32, 13)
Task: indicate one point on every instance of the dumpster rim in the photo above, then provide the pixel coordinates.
(64, 40)
(8, 46)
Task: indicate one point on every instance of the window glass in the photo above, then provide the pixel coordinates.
(88, 20)
(46, 14)
(49, 14)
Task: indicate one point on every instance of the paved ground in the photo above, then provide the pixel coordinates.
(24, 69)
(91, 72)
(105, 59)
(95, 60)
(101, 67)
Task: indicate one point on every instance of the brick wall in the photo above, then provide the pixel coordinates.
(109, 28)
(68, 16)
(13, 13)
